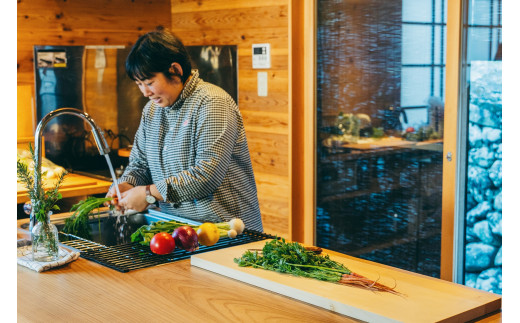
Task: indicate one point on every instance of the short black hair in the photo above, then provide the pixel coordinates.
(154, 52)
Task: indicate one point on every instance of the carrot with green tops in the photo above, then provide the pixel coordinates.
(295, 259)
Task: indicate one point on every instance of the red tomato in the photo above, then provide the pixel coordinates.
(162, 243)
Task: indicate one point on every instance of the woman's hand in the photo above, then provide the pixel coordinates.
(123, 187)
(134, 199)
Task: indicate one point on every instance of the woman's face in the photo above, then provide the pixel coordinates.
(161, 90)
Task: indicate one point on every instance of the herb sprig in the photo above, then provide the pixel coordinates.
(42, 201)
(77, 223)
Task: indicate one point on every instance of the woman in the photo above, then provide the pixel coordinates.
(190, 152)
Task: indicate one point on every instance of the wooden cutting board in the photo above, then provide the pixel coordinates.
(427, 299)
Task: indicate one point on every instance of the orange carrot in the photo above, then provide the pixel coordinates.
(356, 279)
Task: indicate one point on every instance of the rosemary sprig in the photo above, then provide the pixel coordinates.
(42, 201)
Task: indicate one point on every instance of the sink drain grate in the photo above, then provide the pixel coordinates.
(131, 256)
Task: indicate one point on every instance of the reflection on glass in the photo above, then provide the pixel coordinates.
(217, 65)
(483, 207)
(380, 117)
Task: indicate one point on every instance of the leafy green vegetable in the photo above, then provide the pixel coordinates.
(77, 223)
(297, 260)
(293, 258)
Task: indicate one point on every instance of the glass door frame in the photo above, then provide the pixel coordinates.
(303, 72)
(452, 234)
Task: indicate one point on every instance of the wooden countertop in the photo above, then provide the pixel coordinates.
(73, 185)
(84, 291)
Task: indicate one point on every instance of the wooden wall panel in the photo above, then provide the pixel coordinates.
(272, 102)
(76, 22)
(273, 196)
(25, 108)
(269, 152)
(266, 119)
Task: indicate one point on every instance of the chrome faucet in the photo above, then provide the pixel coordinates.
(98, 136)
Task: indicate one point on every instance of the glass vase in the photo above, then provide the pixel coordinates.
(45, 242)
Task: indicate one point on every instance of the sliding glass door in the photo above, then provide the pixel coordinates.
(389, 187)
(380, 116)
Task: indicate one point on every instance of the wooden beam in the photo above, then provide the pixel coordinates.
(303, 120)
(451, 126)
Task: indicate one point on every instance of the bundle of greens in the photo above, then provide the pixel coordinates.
(145, 233)
(77, 223)
(295, 259)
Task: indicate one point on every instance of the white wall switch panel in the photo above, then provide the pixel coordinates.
(262, 83)
(261, 56)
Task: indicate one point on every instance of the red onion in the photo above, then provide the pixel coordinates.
(186, 238)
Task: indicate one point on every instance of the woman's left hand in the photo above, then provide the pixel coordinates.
(134, 199)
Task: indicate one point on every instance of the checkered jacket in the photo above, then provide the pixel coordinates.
(196, 153)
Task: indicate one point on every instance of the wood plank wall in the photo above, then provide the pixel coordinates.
(76, 22)
(266, 119)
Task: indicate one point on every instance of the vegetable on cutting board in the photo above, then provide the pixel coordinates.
(295, 259)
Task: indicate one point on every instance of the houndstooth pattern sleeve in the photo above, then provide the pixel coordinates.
(196, 154)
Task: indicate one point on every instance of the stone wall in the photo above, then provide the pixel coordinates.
(483, 261)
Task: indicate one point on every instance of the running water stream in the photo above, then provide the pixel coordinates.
(120, 223)
(114, 179)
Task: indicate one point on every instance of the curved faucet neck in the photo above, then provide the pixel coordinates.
(101, 143)
(98, 135)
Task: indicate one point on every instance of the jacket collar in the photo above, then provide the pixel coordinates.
(188, 89)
